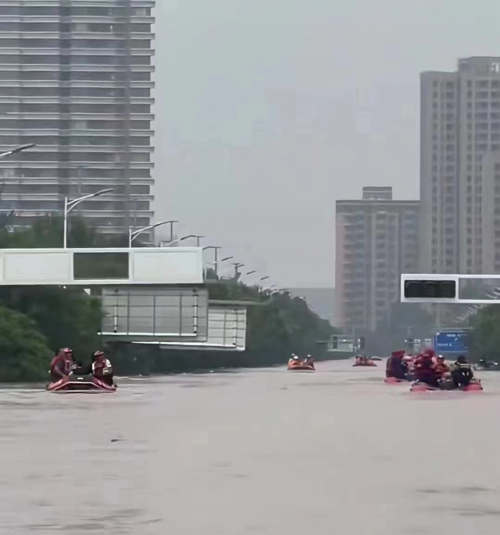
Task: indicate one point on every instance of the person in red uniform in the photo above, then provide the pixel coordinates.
(442, 369)
(61, 365)
(396, 365)
(426, 369)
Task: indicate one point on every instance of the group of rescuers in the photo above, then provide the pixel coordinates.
(430, 368)
(64, 364)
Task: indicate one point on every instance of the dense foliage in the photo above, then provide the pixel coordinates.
(278, 324)
(484, 341)
(24, 354)
(34, 319)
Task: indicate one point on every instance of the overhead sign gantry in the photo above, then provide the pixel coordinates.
(441, 288)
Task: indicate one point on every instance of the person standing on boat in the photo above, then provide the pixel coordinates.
(101, 368)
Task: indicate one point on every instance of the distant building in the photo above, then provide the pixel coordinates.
(376, 241)
(76, 79)
(377, 193)
(460, 168)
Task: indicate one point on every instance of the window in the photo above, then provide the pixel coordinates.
(98, 44)
(95, 60)
(29, 27)
(141, 12)
(87, 189)
(140, 60)
(88, 76)
(140, 43)
(112, 28)
(29, 11)
(140, 28)
(141, 76)
(119, 222)
(30, 123)
(97, 92)
(109, 141)
(98, 108)
(140, 93)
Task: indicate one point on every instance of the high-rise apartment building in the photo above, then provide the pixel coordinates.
(376, 241)
(460, 168)
(76, 79)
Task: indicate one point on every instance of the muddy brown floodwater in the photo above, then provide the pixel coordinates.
(252, 452)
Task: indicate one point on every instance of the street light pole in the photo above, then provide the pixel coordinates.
(181, 239)
(216, 250)
(17, 149)
(219, 262)
(172, 223)
(236, 272)
(132, 234)
(69, 205)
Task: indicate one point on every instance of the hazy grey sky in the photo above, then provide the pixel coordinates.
(268, 111)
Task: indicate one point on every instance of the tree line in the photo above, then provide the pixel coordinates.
(36, 321)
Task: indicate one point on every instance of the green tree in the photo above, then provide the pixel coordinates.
(24, 354)
(48, 232)
(484, 340)
(67, 317)
(277, 324)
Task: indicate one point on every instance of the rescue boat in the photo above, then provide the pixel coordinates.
(474, 386)
(393, 380)
(362, 362)
(80, 384)
(301, 365)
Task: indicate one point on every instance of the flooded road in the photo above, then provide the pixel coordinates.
(252, 452)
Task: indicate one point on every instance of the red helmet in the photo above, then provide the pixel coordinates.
(98, 353)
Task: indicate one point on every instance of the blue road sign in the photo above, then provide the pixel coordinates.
(450, 342)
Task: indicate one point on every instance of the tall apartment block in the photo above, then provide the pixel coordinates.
(460, 168)
(376, 241)
(76, 79)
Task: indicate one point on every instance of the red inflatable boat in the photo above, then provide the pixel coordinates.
(364, 362)
(392, 380)
(80, 383)
(300, 365)
(473, 386)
